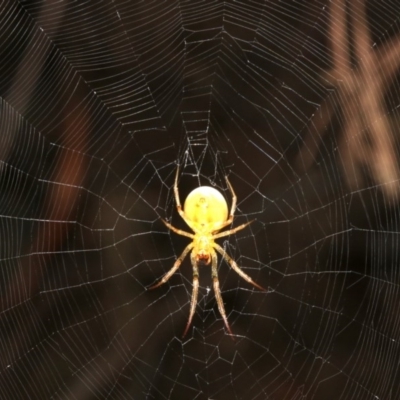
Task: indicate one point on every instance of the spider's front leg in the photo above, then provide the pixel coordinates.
(195, 292)
(217, 291)
(176, 265)
(236, 268)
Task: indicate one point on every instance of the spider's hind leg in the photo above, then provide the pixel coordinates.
(234, 200)
(177, 231)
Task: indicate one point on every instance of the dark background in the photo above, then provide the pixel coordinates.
(296, 101)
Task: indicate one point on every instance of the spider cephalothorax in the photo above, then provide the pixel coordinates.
(206, 212)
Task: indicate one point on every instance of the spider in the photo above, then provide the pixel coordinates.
(205, 212)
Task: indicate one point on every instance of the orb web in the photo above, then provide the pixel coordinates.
(296, 102)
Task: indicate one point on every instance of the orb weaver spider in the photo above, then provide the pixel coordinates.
(205, 212)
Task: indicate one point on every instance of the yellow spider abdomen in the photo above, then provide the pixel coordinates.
(206, 208)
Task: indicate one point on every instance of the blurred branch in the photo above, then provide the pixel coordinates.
(26, 79)
(365, 138)
(60, 204)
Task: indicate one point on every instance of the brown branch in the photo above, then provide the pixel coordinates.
(366, 136)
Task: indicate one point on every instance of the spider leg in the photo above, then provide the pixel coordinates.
(231, 231)
(217, 291)
(195, 292)
(233, 207)
(177, 199)
(235, 267)
(176, 265)
(178, 231)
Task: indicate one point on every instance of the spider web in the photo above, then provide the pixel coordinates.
(296, 101)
